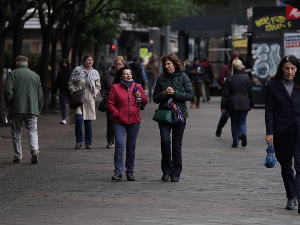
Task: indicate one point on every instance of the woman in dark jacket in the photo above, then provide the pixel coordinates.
(106, 83)
(126, 117)
(175, 84)
(282, 118)
(237, 99)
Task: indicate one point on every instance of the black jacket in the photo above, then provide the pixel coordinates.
(62, 80)
(282, 118)
(237, 92)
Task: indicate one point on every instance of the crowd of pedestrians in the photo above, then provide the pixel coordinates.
(123, 86)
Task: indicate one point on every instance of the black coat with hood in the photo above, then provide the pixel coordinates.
(63, 77)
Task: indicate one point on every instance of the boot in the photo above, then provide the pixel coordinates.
(291, 204)
(219, 131)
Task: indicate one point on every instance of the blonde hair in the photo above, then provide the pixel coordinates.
(119, 57)
(237, 64)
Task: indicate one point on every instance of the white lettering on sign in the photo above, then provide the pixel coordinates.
(295, 12)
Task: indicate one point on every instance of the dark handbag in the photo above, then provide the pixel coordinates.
(163, 116)
(103, 105)
(77, 98)
(270, 159)
(207, 79)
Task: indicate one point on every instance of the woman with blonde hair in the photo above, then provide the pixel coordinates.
(107, 81)
(237, 99)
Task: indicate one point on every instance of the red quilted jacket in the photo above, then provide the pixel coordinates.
(122, 103)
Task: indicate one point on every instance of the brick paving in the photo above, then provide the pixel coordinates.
(218, 185)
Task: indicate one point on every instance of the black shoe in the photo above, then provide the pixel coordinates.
(203, 100)
(17, 161)
(78, 146)
(88, 147)
(244, 140)
(130, 177)
(110, 145)
(117, 176)
(208, 99)
(174, 179)
(298, 206)
(240, 136)
(165, 177)
(234, 145)
(218, 131)
(34, 157)
(291, 204)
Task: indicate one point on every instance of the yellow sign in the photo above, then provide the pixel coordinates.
(273, 23)
(143, 52)
(240, 44)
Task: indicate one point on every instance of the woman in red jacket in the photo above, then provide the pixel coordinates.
(125, 98)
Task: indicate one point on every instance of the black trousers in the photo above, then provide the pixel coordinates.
(110, 132)
(292, 182)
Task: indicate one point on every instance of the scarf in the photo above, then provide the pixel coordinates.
(91, 76)
(176, 112)
(127, 85)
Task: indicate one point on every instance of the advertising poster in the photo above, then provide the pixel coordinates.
(291, 43)
(267, 47)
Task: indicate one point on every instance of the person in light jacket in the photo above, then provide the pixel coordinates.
(124, 105)
(84, 76)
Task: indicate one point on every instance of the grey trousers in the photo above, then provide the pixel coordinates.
(30, 121)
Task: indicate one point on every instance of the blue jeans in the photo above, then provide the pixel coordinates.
(132, 131)
(238, 123)
(63, 100)
(171, 163)
(78, 130)
(151, 85)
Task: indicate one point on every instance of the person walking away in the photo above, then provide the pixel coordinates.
(209, 72)
(282, 118)
(126, 116)
(237, 99)
(84, 76)
(61, 83)
(173, 85)
(152, 70)
(137, 71)
(23, 95)
(224, 73)
(106, 83)
(102, 66)
(196, 72)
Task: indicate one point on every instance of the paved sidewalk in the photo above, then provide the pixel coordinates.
(218, 185)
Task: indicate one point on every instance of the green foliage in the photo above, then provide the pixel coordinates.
(213, 2)
(7, 58)
(33, 59)
(153, 13)
(193, 9)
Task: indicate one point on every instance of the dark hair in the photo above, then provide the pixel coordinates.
(175, 60)
(195, 59)
(120, 72)
(88, 55)
(279, 73)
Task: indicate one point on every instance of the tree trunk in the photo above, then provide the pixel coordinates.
(2, 103)
(53, 74)
(74, 56)
(17, 41)
(44, 72)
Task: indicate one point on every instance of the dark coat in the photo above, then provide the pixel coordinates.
(282, 118)
(107, 81)
(183, 91)
(196, 77)
(237, 92)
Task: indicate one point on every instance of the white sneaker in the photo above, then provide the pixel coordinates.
(63, 122)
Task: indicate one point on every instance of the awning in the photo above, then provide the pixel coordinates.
(295, 3)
